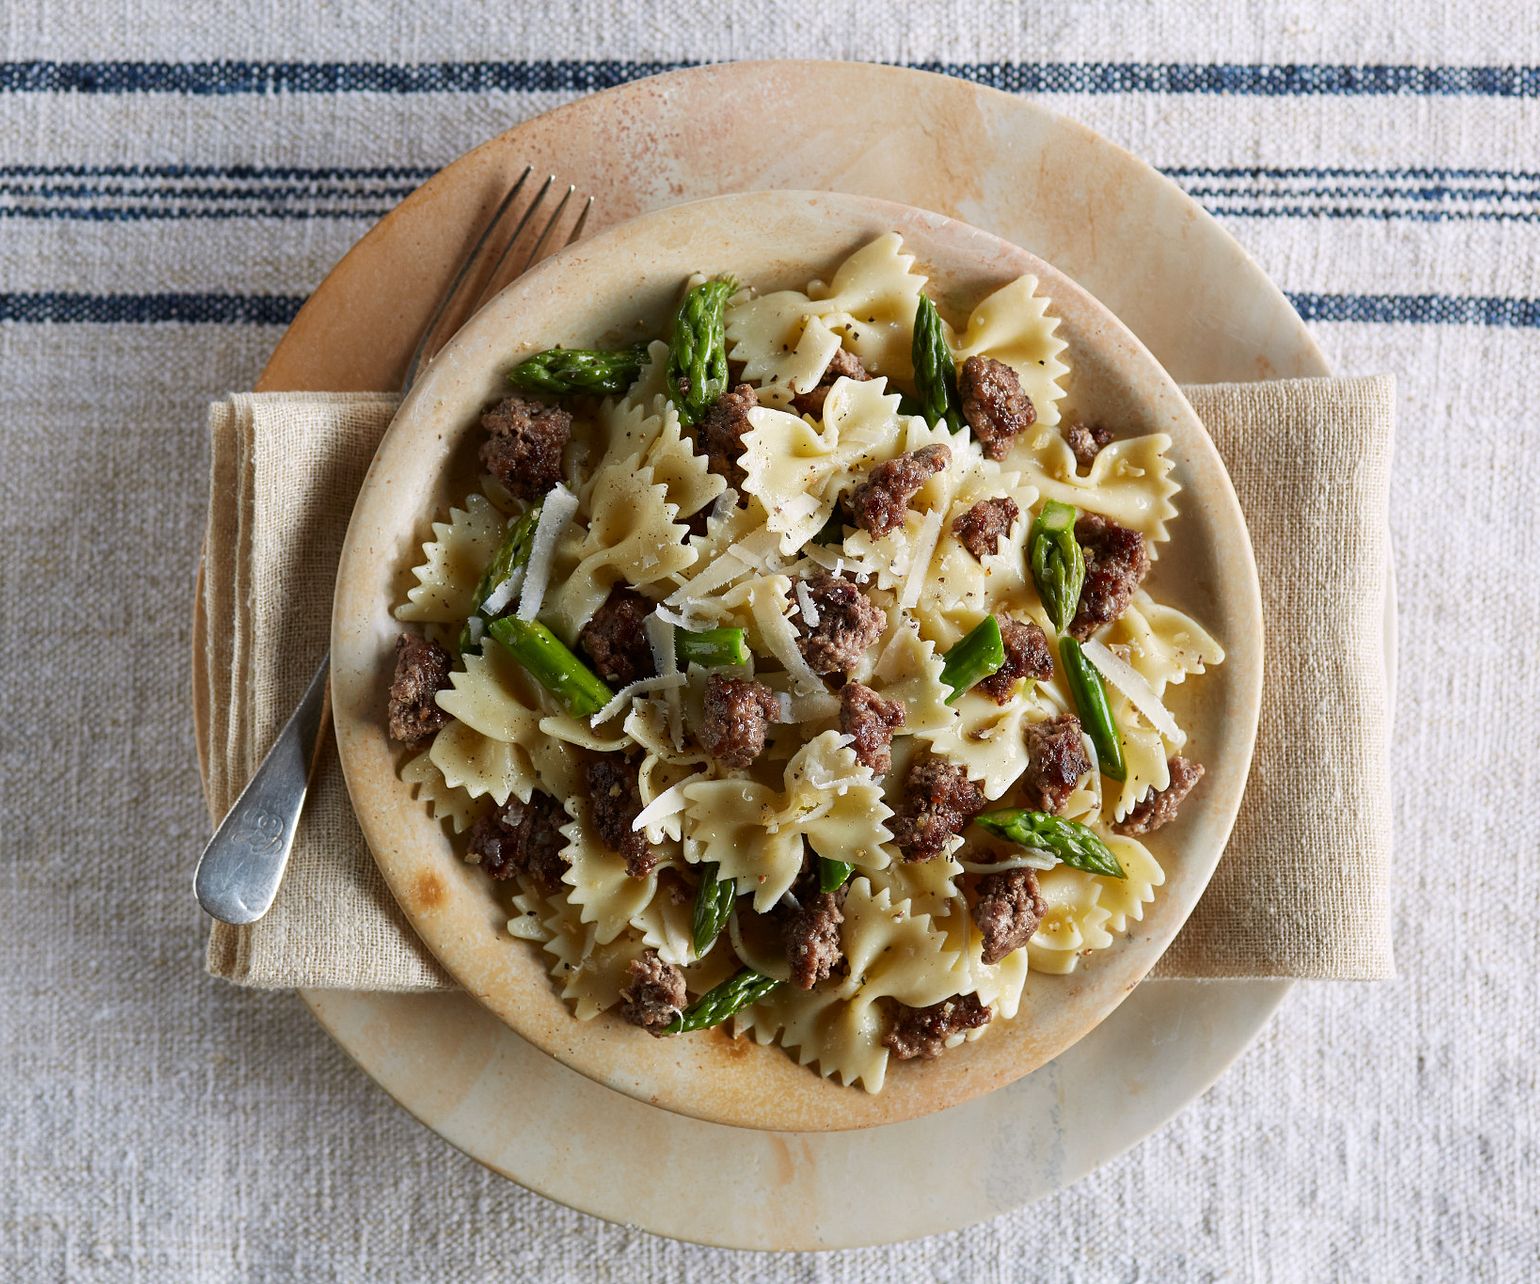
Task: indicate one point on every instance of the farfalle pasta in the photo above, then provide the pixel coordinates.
(796, 670)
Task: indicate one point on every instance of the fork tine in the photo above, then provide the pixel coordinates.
(459, 277)
(551, 222)
(582, 219)
(518, 231)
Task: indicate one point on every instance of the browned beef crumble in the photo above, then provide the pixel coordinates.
(1116, 562)
(422, 671)
(994, 404)
(938, 801)
(614, 802)
(983, 526)
(843, 365)
(525, 440)
(848, 623)
(522, 838)
(655, 993)
(738, 715)
(721, 432)
(923, 1032)
(1027, 655)
(871, 719)
(1056, 760)
(810, 934)
(615, 640)
(1086, 441)
(1008, 908)
(1159, 806)
(878, 504)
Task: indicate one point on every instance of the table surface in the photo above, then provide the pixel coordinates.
(166, 210)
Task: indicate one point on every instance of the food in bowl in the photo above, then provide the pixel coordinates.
(796, 670)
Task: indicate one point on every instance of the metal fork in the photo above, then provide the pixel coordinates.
(240, 870)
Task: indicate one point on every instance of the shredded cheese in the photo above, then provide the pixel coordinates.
(497, 600)
(809, 608)
(1033, 859)
(641, 686)
(660, 638)
(925, 541)
(1141, 695)
(669, 803)
(475, 629)
(559, 507)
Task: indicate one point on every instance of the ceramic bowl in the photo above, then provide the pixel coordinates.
(618, 285)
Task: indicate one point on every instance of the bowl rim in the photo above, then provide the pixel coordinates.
(445, 935)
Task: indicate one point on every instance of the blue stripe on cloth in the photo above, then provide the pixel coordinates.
(61, 307)
(580, 76)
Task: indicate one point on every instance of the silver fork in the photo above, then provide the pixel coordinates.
(242, 866)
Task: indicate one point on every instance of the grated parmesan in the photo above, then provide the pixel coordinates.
(660, 638)
(805, 601)
(497, 600)
(559, 507)
(919, 564)
(669, 803)
(1140, 693)
(640, 687)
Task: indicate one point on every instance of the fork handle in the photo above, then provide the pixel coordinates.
(240, 869)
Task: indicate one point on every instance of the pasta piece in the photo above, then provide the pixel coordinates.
(1164, 645)
(444, 801)
(907, 669)
(487, 749)
(453, 561)
(605, 896)
(755, 832)
(1076, 921)
(986, 740)
(1012, 325)
(1124, 898)
(1130, 482)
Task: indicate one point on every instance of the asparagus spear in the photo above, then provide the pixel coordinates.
(1077, 845)
(833, 873)
(697, 355)
(572, 682)
(711, 648)
(713, 903)
(1058, 565)
(511, 554)
(1085, 684)
(564, 371)
(715, 1006)
(978, 655)
(935, 373)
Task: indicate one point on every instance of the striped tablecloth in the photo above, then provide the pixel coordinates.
(174, 179)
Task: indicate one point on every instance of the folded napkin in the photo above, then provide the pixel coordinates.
(1303, 889)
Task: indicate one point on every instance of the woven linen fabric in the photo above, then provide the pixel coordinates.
(1310, 462)
(174, 179)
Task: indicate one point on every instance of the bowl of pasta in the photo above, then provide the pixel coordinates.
(796, 659)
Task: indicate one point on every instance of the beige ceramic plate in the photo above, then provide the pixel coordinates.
(622, 284)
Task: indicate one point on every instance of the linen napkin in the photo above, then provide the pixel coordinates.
(1303, 888)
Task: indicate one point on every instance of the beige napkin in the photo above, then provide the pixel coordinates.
(1303, 889)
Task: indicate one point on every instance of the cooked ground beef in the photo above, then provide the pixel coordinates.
(1086, 440)
(848, 623)
(613, 803)
(843, 365)
(615, 640)
(655, 994)
(721, 432)
(1159, 806)
(1026, 656)
(938, 801)
(811, 935)
(1056, 760)
(525, 439)
(522, 838)
(1116, 562)
(871, 719)
(994, 404)
(422, 671)
(923, 1032)
(983, 526)
(738, 714)
(878, 504)
(1008, 909)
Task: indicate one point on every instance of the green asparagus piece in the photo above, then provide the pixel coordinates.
(711, 648)
(715, 1006)
(833, 873)
(833, 530)
(561, 372)
(513, 553)
(1073, 843)
(713, 903)
(572, 682)
(697, 355)
(1058, 565)
(935, 373)
(1085, 684)
(978, 655)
